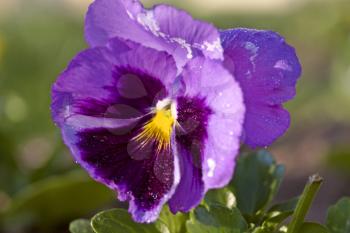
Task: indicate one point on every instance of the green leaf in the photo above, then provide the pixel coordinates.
(216, 219)
(276, 218)
(338, 218)
(256, 181)
(222, 196)
(80, 226)
(175, 223)
(56, 200)
(285, 206)
(279, 212)
(310, 227)
(120, 221)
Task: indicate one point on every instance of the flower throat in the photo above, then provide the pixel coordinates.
(158, 129)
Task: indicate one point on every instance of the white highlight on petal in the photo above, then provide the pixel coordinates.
(164, 103)
(184, 45)
(147, 20)
(283, 65)
(211, 166)
(253, 49)
(130, 15)
(249, 74)
(173, 109)
(177, 173)
(214, 46)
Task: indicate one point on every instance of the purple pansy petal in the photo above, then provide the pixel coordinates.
(224, 97)
(267, 69)
(113, 81)
(210, 116)
(178, 26)
(192, 118)
(79, 81)
(107, 19)
(166, 170)
(190, 190)
(101, 102)
(104, 151)
(88, 122)
(163, 28)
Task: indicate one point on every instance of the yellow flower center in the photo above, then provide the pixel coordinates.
(158, 129)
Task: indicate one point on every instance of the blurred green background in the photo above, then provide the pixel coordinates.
(42, 189)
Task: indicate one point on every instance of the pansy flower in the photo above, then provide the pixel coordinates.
(158, 105)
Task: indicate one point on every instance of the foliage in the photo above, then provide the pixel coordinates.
(216, 218)
(81, 226)
(263, 176)
(70, 196)
(338, 219)
(119, 221)
(254, 186)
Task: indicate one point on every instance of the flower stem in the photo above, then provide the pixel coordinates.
(304, 203)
